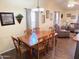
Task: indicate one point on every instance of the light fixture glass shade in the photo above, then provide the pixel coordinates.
(70, 5)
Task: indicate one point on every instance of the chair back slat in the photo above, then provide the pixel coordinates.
(16, 44)
(51, 35)
(22, 44)
(51, 29)
(42, 42)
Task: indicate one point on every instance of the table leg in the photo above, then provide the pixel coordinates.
(31, 56)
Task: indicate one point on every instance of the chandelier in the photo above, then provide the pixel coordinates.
(71, 3)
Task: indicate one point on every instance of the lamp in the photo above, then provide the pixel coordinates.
(71, 3)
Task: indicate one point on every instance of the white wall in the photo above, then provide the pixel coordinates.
(17, 6)
(69, 19)
(51, 6)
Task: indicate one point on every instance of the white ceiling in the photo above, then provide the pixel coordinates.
(63, 4)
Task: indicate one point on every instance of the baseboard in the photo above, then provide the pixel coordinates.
(7, 51)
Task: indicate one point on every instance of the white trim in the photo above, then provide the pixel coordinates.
(7, 50)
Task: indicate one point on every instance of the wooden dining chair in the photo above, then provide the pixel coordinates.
(28, 31)
(17, 45)
(20, 47)
(51, 40)
(40, 48)
(36, 29)
(51, 29)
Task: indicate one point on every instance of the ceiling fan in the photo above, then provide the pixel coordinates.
(72, 3)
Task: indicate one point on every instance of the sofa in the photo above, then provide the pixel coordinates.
(61, 33)
(74, 27)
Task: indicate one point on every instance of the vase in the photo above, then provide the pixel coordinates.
(19, 20)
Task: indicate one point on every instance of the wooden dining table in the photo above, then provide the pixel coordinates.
(32, 39)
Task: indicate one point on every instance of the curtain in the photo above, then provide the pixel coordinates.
(28, 18)
(57, 18)
(32, 18)
(37, 18)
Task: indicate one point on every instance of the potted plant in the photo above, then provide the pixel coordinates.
(19, 18)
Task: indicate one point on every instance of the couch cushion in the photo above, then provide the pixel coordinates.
(57, 28)
(76, 25)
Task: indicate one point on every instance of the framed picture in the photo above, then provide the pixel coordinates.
(7, 18)
(61, 15)
(73, 16)
(68, 15)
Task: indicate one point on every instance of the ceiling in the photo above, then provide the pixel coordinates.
(64, 3)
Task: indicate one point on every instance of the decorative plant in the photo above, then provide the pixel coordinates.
(19, 18)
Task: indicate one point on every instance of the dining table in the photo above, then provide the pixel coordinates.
(31, 39)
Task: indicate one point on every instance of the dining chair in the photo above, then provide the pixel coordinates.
(40, 48)
(19, 46)
(51, 29)
(51, 41)
(36, 29)
(28, 31)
